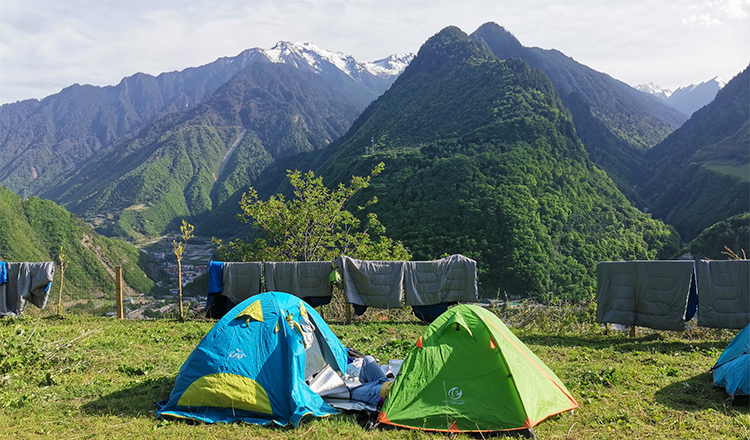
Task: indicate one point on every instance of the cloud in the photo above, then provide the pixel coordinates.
(734, 10)
(701, 20)
(706, 11)
(46, 45)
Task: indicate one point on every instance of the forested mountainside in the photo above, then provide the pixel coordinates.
(37, 230)
(615, 122)
(481, 158)
(700, 174)
(181, 165)
(39, 140)
(720, 240)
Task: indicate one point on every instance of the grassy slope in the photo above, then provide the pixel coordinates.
(84, 377)
(36, 229)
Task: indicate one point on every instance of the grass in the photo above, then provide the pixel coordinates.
(740, 171)
(84, 377)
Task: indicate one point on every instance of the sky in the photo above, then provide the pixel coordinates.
(47, 45)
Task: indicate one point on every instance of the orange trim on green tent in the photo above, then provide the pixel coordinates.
(382, 418)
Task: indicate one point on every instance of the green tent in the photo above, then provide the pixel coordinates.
(468, 372)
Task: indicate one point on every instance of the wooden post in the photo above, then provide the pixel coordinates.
(348, 311)
(632, 331)
(179, 287)
(118, 291)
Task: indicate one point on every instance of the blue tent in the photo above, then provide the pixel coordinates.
(732, 370)
(253, 365)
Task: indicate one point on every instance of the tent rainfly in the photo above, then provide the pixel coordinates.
(469, 373)
(253, 365)
(732, 369)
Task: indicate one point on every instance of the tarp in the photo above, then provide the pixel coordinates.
(723, 293)
(649, 294)
(304, 279)
(372, 283)
(468, 372)
(24, 283)
(253, 365)
(732, 369)
(447, 280)
(241, 280)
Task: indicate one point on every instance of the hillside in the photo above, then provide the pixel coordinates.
(700, 174)
(721, 239)
(481, 158)
(34, 230)
(615, 122)
(183, 164)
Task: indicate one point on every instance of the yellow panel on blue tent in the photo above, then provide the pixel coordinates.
(226, 390)
(254, 311)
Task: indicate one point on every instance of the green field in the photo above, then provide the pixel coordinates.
(741, 171)
(83, 377)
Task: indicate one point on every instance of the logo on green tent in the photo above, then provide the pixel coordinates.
(454, 396)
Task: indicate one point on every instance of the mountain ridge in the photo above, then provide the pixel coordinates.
(481, 158)
(686, 99)
(615, 122)
(40, 139)
(170, 168)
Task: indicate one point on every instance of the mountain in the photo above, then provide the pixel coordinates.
(615, 122)
(482, 158)
(700, 174)
(653, 89)
(377, 76)
(183, 164)
(35, 230)
(691, 98)
(686, 99)
(39, 140)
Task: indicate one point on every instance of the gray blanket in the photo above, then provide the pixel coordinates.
(26, 283)
(723, 293)
(650, 294)
(303, 279)
(241, 280)
(450, 279)
(372, 283)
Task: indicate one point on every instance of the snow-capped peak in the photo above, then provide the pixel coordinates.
(392, 65)
(655, 90)
(313, 57)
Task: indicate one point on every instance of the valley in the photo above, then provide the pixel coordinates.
(531, 163)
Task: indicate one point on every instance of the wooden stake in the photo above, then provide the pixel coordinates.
(118, 291)
(632, 331)
(348, 310)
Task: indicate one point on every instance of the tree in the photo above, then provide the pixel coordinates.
(179, 248)
(313, 226)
